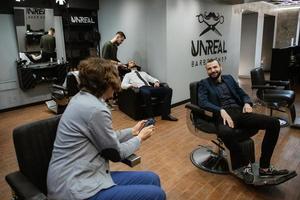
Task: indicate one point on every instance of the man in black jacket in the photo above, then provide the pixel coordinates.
(232, 108)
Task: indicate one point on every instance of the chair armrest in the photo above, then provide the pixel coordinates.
(114, 156)
(198, 109)
(23, 188)
(60, 87)
(132, 160)
(286, 84)
(263, 87)
(282, 83)
(164, 84)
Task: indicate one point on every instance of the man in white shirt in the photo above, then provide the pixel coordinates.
(141, 80)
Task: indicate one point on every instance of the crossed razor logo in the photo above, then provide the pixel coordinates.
(207, 17)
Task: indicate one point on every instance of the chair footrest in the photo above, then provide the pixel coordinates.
(261, 181)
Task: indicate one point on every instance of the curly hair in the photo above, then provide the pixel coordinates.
(96, 75)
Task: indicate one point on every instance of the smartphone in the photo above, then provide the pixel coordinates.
(150, 121)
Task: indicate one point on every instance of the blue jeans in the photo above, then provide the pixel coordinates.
(132, 185)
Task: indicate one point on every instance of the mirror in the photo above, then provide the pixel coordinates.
(31, 25)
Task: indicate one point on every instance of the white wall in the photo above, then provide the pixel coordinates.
(182, 27)
(144, 24)
(159, 35)
(156, 38)
(127, 16)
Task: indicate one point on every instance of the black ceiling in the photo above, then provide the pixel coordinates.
(7, 6)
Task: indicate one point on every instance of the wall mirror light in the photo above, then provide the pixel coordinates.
(31, 25)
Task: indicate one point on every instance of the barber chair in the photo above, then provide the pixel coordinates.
(221, 160)
(61, 94)
(33, 145)
(275, 95)
(132, 104)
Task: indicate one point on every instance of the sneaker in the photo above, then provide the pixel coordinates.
(248, 174)
(271, 171)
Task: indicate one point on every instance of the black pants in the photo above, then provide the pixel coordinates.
(164, 93)
(248, 121)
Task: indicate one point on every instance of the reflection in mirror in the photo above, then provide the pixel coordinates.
(35, 34)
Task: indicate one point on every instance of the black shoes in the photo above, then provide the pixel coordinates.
(271, 171)
(169, 118)
(248, 175)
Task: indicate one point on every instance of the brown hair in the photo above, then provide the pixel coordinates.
(96, 75)
(52, 29)
(212, 60)
(121, 34)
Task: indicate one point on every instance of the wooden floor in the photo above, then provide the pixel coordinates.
(167, 153)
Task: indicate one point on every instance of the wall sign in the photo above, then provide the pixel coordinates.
(35, 13)
(205, 49)
(82, 20)
(35, 19)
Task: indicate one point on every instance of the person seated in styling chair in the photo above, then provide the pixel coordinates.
(231, 106)
(140, 79)
(85, 143)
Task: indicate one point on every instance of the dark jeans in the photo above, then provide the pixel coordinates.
(164, 93)
(248, 121)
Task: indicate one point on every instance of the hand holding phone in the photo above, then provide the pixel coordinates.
(147, 129)
(150, 121)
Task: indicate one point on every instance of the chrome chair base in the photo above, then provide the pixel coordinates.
(204, 158)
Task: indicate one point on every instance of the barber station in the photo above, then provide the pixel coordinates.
(152, 100)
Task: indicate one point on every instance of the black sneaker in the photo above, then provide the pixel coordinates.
(271, 171)
(248, 174)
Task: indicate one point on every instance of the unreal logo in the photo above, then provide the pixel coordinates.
(82, 20)
(212, 45)
(211, 20)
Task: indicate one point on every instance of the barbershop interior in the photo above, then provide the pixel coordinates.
(150, 99)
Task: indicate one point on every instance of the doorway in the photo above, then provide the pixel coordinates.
(248, 43)
(267, 42)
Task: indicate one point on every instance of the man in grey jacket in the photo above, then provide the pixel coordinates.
(85, 142)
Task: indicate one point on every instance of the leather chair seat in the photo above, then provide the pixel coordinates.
(280, 97)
